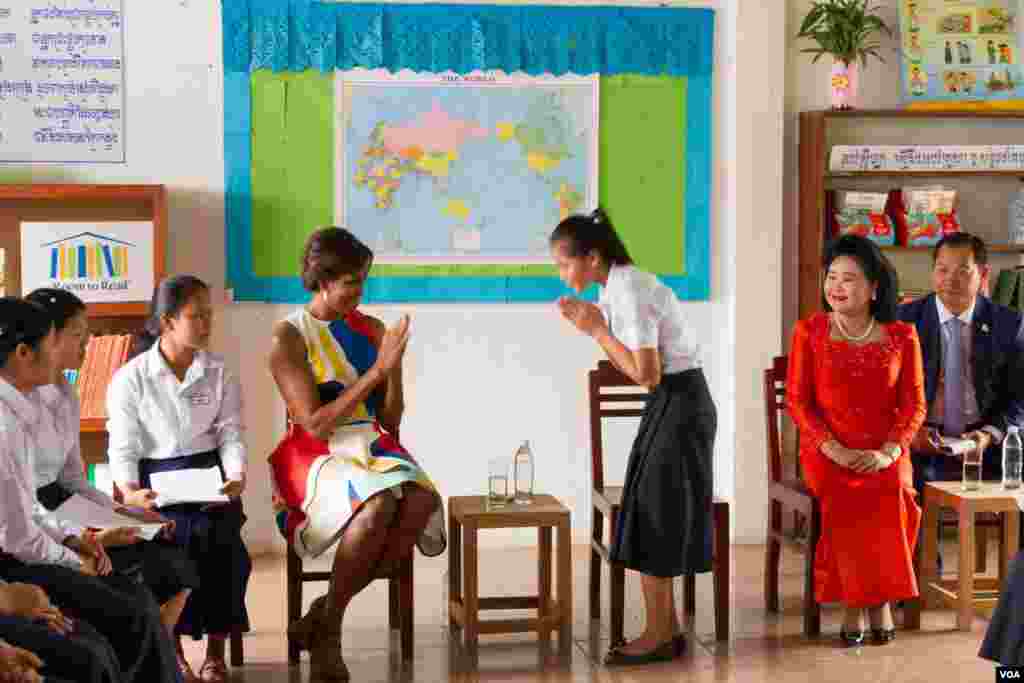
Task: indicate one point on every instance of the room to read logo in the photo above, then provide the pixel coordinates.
(89, 261)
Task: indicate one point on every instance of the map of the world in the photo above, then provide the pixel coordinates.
(465, 169)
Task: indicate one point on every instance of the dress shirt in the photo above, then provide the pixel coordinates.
(643, 313)
(151, 414)
(59, 458)
(25, 534)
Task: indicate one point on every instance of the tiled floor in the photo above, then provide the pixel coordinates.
(762, 647)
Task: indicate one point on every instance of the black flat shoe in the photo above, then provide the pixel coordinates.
(679, 642)
(882, 636)
(851, 638)
(665, 652)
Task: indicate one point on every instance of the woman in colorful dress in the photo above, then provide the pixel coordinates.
(856, 392)
(175, 407)
(341, 473)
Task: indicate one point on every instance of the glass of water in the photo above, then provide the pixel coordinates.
(497, 482)
(972, 470)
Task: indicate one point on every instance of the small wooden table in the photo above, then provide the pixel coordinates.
(471, 513)
(965, 592)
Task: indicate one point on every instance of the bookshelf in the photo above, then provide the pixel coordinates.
(86, 204)
(983, 195)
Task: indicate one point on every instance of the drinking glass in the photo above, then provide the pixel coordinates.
(497, 482)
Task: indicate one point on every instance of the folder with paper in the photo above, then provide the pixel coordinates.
(188, 486)
(81, 511)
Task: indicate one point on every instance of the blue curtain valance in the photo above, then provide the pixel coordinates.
(295, 35)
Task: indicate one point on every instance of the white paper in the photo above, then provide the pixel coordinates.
(188, 486)
(957, 446)
(84, 512)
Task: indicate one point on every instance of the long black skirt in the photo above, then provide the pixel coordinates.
(1004, 639)
(665, 525)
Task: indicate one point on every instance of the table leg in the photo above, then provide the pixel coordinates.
(965, 613)
(544, 584)
(930, 549)
(1009, 545)
(454, 570)
(565, 587)
(471, 600)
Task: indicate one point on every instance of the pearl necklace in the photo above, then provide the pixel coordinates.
(850, 337)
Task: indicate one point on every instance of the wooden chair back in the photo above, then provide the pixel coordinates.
(605, 403)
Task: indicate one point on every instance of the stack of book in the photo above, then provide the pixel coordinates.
(103, 357)
(908, 295)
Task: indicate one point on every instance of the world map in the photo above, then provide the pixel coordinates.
(464, 170)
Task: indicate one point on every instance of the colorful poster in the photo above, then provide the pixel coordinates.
(110, 262)
(463, 169)
(962, 50)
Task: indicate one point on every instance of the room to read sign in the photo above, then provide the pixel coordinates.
(109, 262)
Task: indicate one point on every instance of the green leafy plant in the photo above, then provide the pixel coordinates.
(845, 29)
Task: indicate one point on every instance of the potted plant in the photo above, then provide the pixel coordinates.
(848, 31)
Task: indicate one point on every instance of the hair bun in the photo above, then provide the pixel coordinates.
(598, 216)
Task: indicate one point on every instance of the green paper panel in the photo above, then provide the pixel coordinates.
(643, 157)
(292, 166)
(641, 180)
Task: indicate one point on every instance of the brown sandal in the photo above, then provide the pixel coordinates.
(213, 671)
(187, 674)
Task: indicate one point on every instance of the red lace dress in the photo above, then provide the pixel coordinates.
(862, 396)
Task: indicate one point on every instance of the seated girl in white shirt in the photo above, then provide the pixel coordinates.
(175, 407)
(59, 472)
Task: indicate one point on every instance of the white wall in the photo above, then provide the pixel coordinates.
(481, 378)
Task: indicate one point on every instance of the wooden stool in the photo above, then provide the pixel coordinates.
(472, 514)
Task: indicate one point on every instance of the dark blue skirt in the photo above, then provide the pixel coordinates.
(212, 538)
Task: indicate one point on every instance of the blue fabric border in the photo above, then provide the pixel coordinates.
(244, 37)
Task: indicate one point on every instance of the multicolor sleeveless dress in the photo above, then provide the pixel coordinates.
(319, 485)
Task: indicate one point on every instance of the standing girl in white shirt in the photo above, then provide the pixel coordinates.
(176, 407)
(60, 473)
(664, 527)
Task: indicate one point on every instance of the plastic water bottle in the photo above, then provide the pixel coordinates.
(1011, 459)
(523, 466)
(1017, 217)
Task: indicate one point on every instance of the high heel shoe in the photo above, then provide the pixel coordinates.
(301, 632)
(326, 664)
(665, 652)
(883, 636)
(851, 638)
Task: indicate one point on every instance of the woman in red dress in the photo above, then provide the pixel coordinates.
(856, 392)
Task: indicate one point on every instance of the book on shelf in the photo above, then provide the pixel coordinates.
(103, 356)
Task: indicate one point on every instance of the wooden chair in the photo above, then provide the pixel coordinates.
(787, 493)
(607, 501)
(400, 595)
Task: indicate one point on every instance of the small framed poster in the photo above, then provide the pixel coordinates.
(961, 50)
(105, 262)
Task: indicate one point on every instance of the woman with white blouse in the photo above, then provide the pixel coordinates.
(175, 407)
(60, 473)
(664, 527)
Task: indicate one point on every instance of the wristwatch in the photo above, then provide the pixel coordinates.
(894, 452)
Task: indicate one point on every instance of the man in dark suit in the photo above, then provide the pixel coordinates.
(973, 353)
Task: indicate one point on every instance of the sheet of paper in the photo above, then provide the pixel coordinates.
(188, 486)
(957, 446)
(84, 512)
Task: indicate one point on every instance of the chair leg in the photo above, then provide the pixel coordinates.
(595, 566)
(812, 610)
(980, 549)
(237, 650)
(618, 599)
(721, 571)
(394, 615)
(405, 607)
(294, 578)
(689, 597)
(771, 557)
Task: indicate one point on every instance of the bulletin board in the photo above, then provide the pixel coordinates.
(281, 60)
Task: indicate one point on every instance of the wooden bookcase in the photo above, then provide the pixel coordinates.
(85, 204)
(984, 195)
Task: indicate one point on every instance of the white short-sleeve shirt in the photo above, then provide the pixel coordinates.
(643, 313)
(153, 415)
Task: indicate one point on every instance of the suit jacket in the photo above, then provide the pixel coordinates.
(997, 358)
